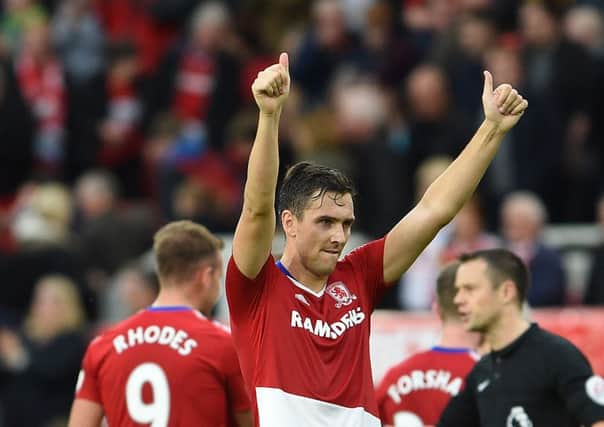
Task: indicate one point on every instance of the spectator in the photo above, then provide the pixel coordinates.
(44, 245)
(391, 54)
(152, 25)
(462, 56)
(120, 130)
(468, 233)
(594, 295)
(79, 40)
(523, 216)
(41, 79)
(437, 128)
(111, 234)
(133, 288)
(18, 16)
(16, 134)
(198, 80)
(327, 47)
(585, 26)
(515, 167)
(41, 361)
(560, 73)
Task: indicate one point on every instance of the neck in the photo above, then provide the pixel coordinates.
(174, 297)
(454, 335)
(297, 270)
(506, 329)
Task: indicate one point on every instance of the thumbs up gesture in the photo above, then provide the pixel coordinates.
(504, 105)
(271, 87)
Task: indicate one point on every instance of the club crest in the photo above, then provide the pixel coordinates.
(339, 292)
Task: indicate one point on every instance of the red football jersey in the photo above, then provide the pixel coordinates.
(415, 392)
(305, 355)
(164, 366)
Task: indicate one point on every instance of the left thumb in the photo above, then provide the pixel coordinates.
(488, 83)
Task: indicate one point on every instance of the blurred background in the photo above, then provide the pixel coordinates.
(117, 116)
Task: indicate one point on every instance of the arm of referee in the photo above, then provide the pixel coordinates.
(462, 409)
(578, 386)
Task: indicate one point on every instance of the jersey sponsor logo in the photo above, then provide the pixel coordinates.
(328, 330)
(339, 292)
(424, 380)
(483, 385)
(518, 418)
(166, 335)
(594, 387)
(302, 299)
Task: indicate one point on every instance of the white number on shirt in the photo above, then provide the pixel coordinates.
(407, 419)
(157, 412)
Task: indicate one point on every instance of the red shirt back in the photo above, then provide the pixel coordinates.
(416, 391)
(164, 366)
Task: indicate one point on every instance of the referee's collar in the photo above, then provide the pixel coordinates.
(510, 348)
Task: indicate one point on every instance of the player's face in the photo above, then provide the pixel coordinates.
(477, 299)
(323, 231)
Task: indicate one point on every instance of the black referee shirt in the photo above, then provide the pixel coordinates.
(539, 380)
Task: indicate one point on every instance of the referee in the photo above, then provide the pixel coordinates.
(532, 378)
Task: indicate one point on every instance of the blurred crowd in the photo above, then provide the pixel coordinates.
(117, 116)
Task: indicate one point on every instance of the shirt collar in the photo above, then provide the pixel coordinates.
(510, 348)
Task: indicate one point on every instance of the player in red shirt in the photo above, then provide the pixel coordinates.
(416, 391)
(168, 365)
(301, 327)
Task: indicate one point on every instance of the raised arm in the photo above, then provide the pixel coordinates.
(256, 227)
(445, 197)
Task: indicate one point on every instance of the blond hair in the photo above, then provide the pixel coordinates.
(72, 318)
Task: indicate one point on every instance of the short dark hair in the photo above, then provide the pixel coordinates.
(306, 181)
(446, 291)
(180, 247)
(502, 265)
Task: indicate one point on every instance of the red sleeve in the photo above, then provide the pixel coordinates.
(368, 261)
(237, 394)
(87, 386)
(243, 294)
(381, 392)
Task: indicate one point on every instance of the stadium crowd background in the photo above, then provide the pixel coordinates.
(117, 116)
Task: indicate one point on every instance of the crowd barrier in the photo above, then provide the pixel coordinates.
(396, 335)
